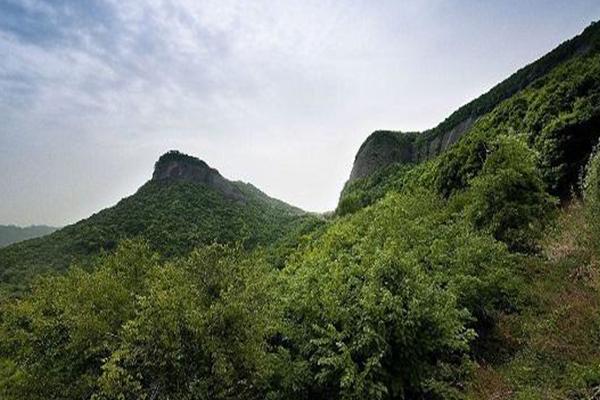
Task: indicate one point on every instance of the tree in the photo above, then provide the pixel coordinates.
(384, 302)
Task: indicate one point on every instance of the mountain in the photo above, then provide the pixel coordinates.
(185, 204)
(554, 102)
(10, 234)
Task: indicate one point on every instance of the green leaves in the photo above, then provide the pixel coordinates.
(135, 328)
(508, 197)
(387, 295)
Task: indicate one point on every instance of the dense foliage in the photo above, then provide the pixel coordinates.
(134, 329)
(384, 304)
(508, 198)
(173, 216)
(365, 309)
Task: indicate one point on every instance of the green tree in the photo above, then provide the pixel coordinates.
(134, 328)
(199, 332)
(54, 341)
(383, 304)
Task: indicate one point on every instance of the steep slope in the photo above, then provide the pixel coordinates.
(554, 103)
(378, 150)
(185, 204)
(10, 234)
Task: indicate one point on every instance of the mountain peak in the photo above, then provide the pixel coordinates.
(177, 166)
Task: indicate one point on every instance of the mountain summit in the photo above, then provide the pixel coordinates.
(176, 166)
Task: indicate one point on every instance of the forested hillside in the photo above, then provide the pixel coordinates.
(174, 214)
(557, 114)
(473, 274)
(544, 82)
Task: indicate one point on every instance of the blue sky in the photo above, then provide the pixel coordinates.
(277, 93)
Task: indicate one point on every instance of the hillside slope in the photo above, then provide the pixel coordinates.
(459, 277)
(554, 103)
(379, 151)
(184, 205)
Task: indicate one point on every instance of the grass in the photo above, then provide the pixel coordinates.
(553, 342)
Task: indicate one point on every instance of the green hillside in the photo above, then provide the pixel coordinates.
(553, 101)
(469, 274)
(173, 215)
(557, 114)
(585, 44)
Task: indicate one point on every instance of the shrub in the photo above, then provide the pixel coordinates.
(54, 341)
(135, 329)
(199, 332)
(385, 301)
(508, 197)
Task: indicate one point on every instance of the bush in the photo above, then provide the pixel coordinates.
(136, 329)
(385, 301)
(54, 341)
(199, 332)
(508, 197)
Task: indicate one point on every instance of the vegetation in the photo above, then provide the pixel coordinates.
(461, 277)
(592, 198)
(215, 325)
(173, 216)
(134, 328)
(558, 115)
(387, 301)
(586, 43)
(507, 198)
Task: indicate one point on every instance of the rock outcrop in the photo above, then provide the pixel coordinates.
(176, 166)
(383, 148)
(380, 149)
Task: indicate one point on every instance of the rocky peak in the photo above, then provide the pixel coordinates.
(176, 166)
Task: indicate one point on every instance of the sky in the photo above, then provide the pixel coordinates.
(277, 93)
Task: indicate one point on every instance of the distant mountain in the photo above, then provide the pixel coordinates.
(10, 234)
(185, 204)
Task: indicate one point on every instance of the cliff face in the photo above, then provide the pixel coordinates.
(380, 149)
(180, 167)
(383, 148)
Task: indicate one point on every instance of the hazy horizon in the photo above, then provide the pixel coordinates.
(278, 95)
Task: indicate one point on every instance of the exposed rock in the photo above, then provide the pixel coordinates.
(176, 166)
(380, 149)
(450, 137)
